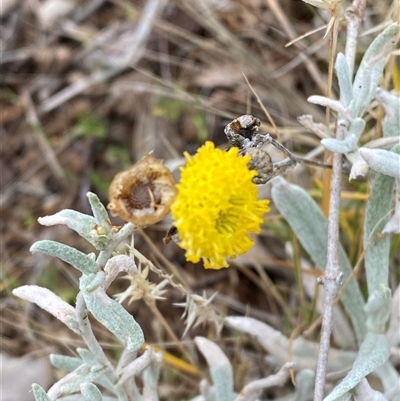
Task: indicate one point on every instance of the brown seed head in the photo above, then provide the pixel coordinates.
(143, 193)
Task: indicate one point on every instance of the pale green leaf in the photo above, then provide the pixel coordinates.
(391, 104)
(377, 247)
(99, 211)
(39, 393)
(344, 78)
(70, 255)
(90, 392)
(371, 68)
(374, 352)
(220, 368)
(113, 316)
(382, 161)
(67, 363)
(311, 228)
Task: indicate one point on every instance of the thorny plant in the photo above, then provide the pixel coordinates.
(144, 195)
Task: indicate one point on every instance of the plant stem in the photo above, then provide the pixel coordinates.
(94, 346)
(87, 333)
(127, 230)
(332, 277)
(330, 280)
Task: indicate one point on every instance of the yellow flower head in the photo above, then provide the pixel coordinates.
(216, 207)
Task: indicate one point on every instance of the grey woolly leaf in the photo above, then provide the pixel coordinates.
(377, 248)
(251, 391)
(220, 368)
(90, 360)
(378, 309)
(391, 104)
(78, 397)
(319, 129)
(50, 302)
(99, 211)
(116, 265)
(206, 392)
(304, 352)
(393, 225)
(67, 363)
(134, 391)
(389, 378)
(393, 332)
(359, 166)
(340, 146)
(326, 102)
(70, 255)
(72, 381)
(101, 233)
(273, 341)
(344, 79)
(382, 161)
(386, 142)
(151, 375)
(39, 393)
(79, 222)
(87, 356)
(150, 394)
(361, 89)
(94, 281)
(374, 352)
(363, 392)
(342, 332)
(311, 227)
(113, 316)
(371, 68)
(86, 226)
(345, 397)
(356, 127)
(391, 127)
(90, 392)
(305, 381)
(126, 230)
(137, 366)
(104, 381)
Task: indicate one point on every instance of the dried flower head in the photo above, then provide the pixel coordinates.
(141, 288)
(143, 193)
(198, 310)
(217, 207)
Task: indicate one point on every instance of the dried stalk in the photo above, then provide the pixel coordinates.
(332, 277)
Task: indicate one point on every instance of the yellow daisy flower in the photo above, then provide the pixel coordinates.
(216, 207)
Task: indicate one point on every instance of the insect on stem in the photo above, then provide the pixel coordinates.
(243, 132)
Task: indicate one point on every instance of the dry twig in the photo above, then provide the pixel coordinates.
(332, 277)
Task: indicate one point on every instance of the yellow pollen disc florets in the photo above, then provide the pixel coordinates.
(216, 207)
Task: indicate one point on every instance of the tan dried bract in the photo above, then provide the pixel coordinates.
(144, 193)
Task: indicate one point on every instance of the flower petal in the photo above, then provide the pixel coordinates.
(217, 207)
